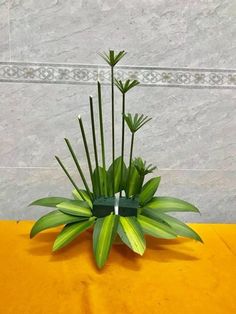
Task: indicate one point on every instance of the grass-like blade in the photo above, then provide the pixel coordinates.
(70, 232)
(170, 204)
(53, 219)
(148, 190)
(52, 201)
(179, 227)
(75, 207)
(155, 228)
(131, 234)
(85, 197)
(105, 230)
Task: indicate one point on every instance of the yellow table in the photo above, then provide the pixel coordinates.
(174, 276)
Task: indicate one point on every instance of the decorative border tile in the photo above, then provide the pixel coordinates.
(89, 74)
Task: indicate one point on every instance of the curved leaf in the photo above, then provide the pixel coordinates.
(85, 198)
(53, 219)
(131, 234)
(179, 227)
(70, 232)
(148, 190)
(51, 201)
(105, 230)
(155, 228)
(170, 204)
(76, 207)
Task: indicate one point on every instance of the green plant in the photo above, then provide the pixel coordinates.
(101, 205)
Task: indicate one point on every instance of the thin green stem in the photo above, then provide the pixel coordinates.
(95, 145)
(79, 168)
(86, 149)
(113, 128)
(123, 140)
(130, 158)
(69, 177)
(102, 135)
(101, 125)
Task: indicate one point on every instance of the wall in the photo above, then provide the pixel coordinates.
(176, 48)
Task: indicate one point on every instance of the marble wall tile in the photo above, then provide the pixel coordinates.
(4, 31)
(190, 129)
(214, 192)
(194, 34)
(193, 129)
(191, 137)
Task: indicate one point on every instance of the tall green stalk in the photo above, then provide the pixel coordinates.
(86, 149)
(79, 168)
(113, 128)
(101, 125)
(94, 144)
(69, 177)
(102, 135)
(123, 139)
(130, 158)
(112, 59)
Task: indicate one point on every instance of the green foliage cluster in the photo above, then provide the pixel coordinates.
(77, 214)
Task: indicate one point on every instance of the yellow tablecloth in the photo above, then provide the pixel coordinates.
(174, 276)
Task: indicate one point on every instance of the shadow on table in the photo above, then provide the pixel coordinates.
(163, 250)
(42, 244)
(158, 250)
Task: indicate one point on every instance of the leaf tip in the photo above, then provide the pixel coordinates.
(55, 246)
(199, 239)
(32, 233)
(54, 249)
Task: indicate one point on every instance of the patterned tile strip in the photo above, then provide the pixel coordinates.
(89, 74)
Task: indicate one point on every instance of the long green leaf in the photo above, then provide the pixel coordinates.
(51, 201)
(131, 234)
(104, 233)
(148, 190)
(117, 177)
(135, 180)
(75, 207)
(85, 198)
(170, 204)
(53, 219)
(179, 227)
(70, 232)
(155, 228)
(101, 175)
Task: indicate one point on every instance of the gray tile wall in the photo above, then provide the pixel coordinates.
(192, 136)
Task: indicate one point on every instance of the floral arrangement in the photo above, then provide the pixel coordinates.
(117, 203)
